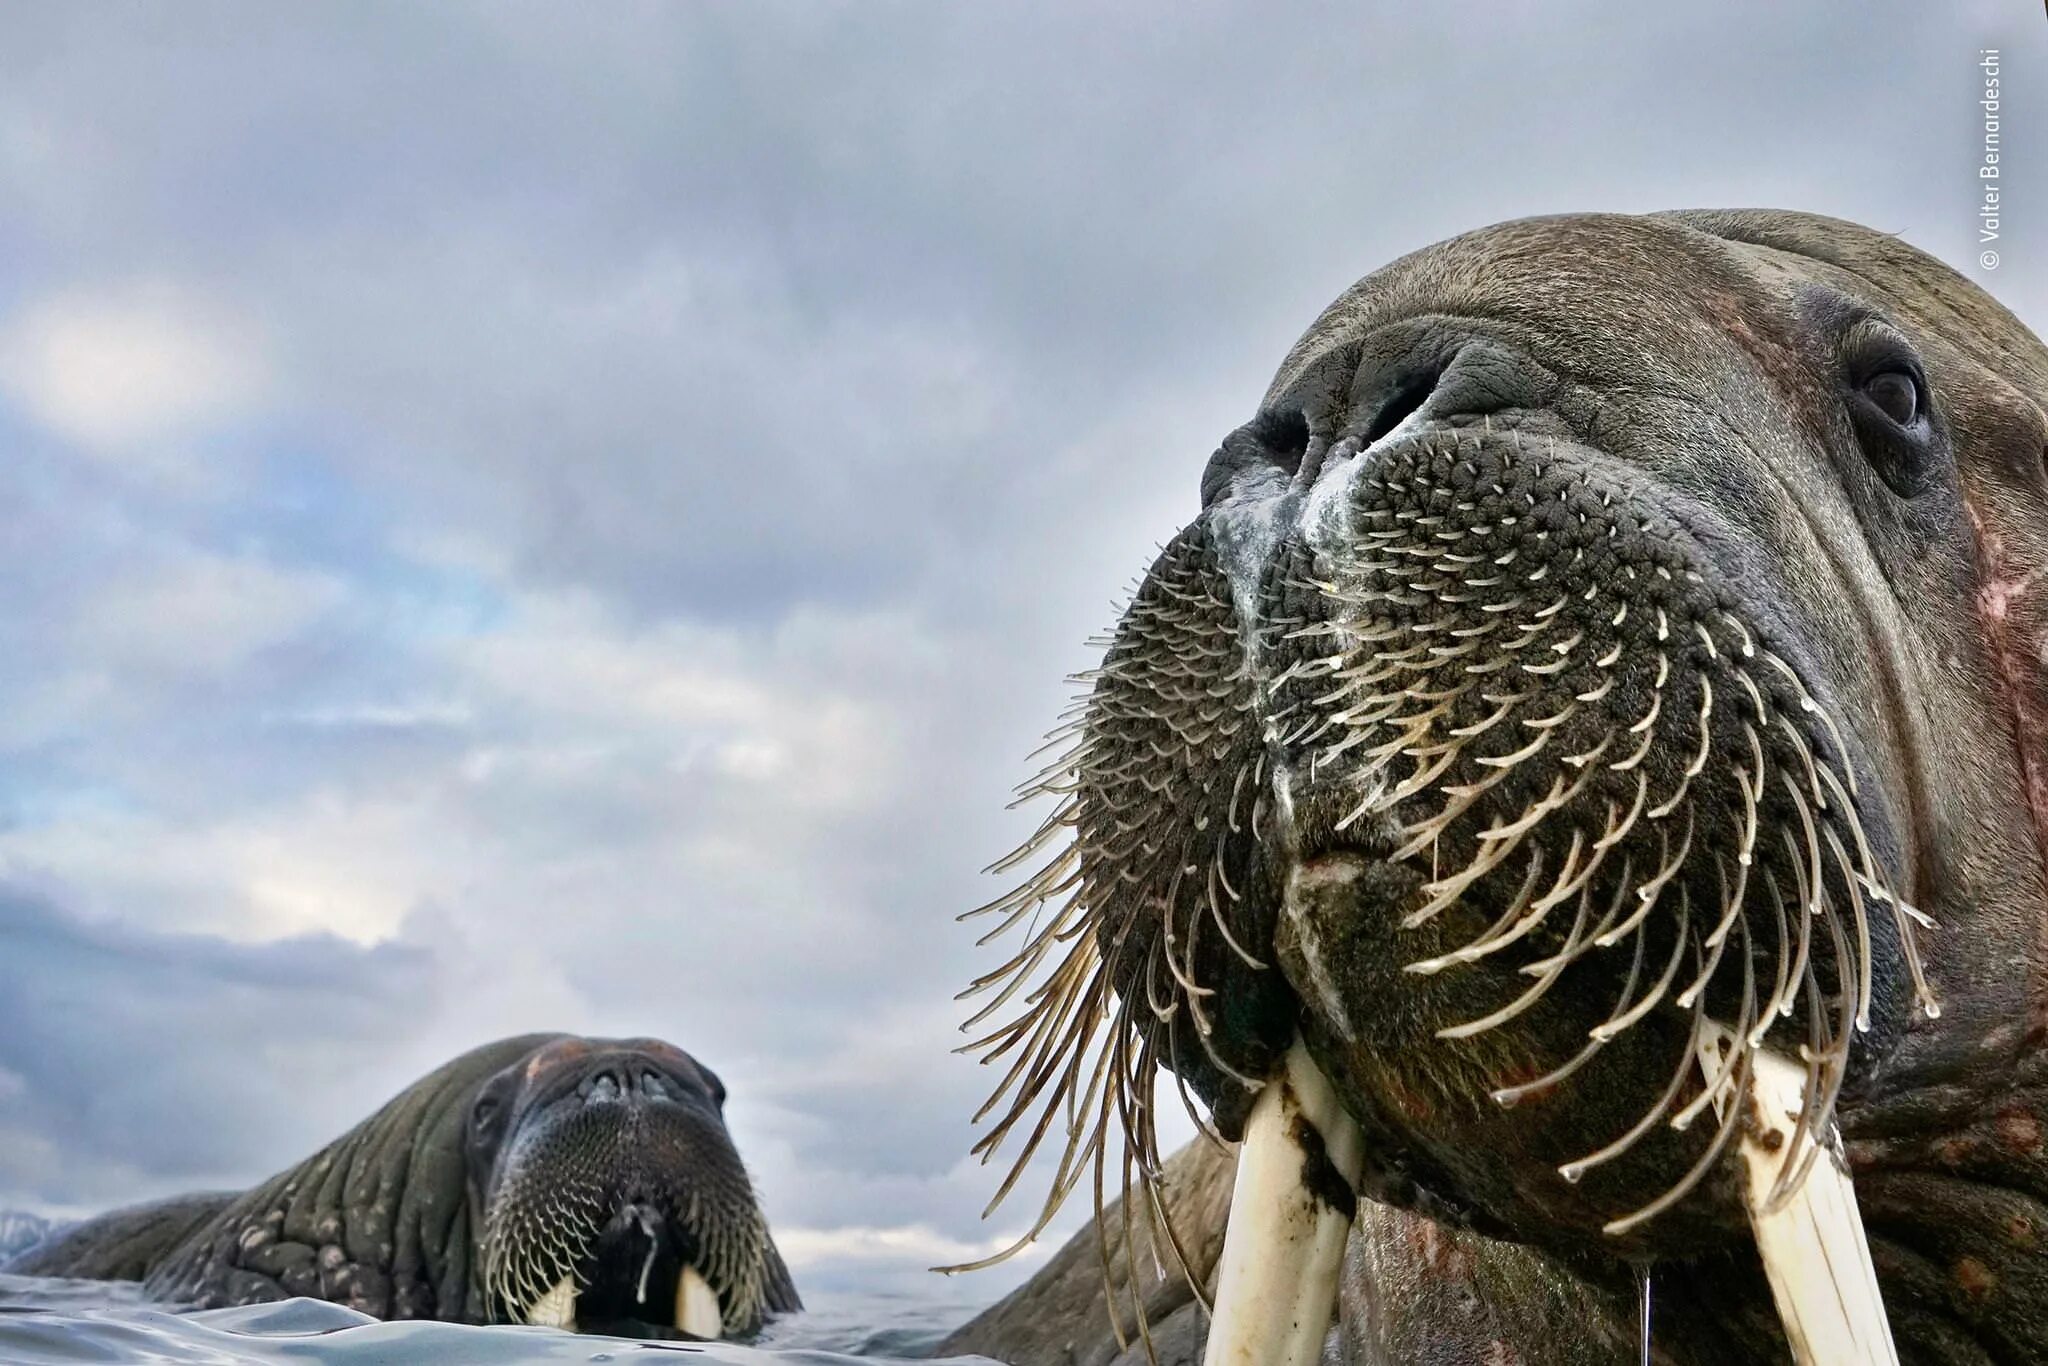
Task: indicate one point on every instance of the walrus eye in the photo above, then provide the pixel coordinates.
(1896, 394)
(484, 1113)
(1889, 408)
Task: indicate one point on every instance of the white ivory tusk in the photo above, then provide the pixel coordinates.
(697, 1310)
(557, 1308)
(1276, 1282)
(1813, 1246)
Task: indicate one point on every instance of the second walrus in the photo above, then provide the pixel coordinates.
(547, 1179)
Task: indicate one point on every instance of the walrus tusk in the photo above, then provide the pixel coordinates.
(1276, 1282)
(697, 1309)
(557, 1308)
(1813, 1247)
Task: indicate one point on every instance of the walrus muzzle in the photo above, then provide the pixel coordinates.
(613, 1197)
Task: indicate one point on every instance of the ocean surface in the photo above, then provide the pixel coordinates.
(49, 1321)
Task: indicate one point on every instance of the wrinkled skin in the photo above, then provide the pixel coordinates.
(471, 1193)
(1764, 494)
(1062, 1315)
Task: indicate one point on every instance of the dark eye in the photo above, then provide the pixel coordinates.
(1890, 408)
(1896, 394)
(486, 1117)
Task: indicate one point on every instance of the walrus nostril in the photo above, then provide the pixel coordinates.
(1276, 439)
(1282, 436)
(606, 1085)
(1401, 405)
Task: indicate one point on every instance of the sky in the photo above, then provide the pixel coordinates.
(525, 517)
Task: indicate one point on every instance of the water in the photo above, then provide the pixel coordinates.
(51, 1321)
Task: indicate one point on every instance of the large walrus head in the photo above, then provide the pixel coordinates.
(610, 1196)
(1611, 656)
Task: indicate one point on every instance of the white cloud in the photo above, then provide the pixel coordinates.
(193, 612)
(604, 695)
(902, 1245)
(129, 374)
(588, 760)
(352, 868)
(414, 714)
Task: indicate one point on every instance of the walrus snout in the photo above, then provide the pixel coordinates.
(613, 1196)
(1480, 758)
(1407, 374)
(630, 1081)
(1518, 691)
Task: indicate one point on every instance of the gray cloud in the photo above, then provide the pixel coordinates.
(153, 1061)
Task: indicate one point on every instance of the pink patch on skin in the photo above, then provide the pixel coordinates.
(559, 1051)
(2000, 593)
(1995, 599)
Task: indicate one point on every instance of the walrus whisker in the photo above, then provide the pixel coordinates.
(1068, 1057)
(1613, 1027)
(1427, 966)
(1718, 1085)
(1097, 1160)
(1792, 1170)
(1445, 891)
(1732, 898)
(1015, 971)
(1572, 953)
(1162, 1220)
(1040, 1022)
(1832, 1050)
(1506, 1096)
(1223, 923)
(1859, 918)
(1064, 1060)
(1786, 984)
(1570, 880)
(1697, 1172)
(1801, 911)
(1202, 1122)
(1908, 919)
(1529, 997)
(1136, 1116)
(1575, 1170)
(1652, 888)
(1716, 941)
(1618, 831)
(1815, 887)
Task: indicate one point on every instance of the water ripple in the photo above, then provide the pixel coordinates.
(53, 1321)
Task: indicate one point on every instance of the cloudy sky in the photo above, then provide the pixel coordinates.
(517, 520)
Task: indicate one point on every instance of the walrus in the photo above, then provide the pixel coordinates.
(1605, 671)
(586, 1184)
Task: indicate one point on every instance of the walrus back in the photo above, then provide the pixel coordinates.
(124, 1245)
